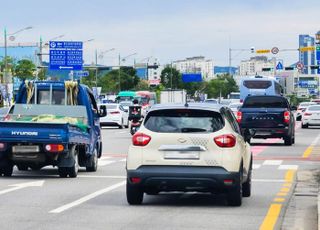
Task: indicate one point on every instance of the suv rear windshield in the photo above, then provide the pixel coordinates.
(183, 121)
(265, 102)
(257, 84)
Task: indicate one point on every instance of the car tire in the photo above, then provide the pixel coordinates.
(7, 170)
(304, 126)
(121, 126)
(288, 140)
(94, 162)
(246, 187)
(134, 194)
(127, 125)
(234, 196)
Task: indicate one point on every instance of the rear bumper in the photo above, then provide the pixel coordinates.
(270, 132)
(183, 178)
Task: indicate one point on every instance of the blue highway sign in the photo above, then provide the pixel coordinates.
(65, 55)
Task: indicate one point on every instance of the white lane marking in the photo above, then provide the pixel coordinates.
(22, 185)
(256, 166)
(268, 180)
(122, 132)
(88, 197)
(287, 167)
(103, 163)
(123, 160)
(272, 162)
(108, 177)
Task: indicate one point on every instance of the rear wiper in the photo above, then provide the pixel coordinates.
(189, 130)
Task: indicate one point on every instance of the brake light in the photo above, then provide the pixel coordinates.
(225, 141)
(115, 112)
(239, 116)
(140, 139)
(54, 148)
(135, 180)
(307, 114)
(286, 116)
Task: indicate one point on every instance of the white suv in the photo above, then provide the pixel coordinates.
(195, 147)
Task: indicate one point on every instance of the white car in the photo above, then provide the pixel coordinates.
(193, 147)
(116, 116)
(301, 108)
(311, 116)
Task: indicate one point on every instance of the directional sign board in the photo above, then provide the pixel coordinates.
(81, 73)
(65, 55)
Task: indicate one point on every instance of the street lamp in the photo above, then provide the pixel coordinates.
(12, 38)
(100, 56)
(122, 59)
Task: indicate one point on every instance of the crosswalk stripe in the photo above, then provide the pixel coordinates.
(103, 163)
(287, 167)
(272, 162)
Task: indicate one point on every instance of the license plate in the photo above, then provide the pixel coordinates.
(25, 149)
(182, 155)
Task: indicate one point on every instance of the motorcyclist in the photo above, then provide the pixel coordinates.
(136, 113)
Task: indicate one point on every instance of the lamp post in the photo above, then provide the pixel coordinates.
(119, 74)
(96, 59)
(12, 38)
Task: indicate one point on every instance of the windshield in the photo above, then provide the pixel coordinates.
(314, 108)
(265, 102)
(181, 120)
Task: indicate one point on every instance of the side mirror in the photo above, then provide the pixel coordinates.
(102, 111)
(293, 108)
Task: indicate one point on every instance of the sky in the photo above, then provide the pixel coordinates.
(166, 29)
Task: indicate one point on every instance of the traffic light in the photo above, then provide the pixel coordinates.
(289, 68)
(266, 69)
(155, 66)
(314, 67)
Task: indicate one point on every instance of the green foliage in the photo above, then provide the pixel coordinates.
(171, 78)
(110, 81)
(142, 85)
(25, 69)
(224, 84)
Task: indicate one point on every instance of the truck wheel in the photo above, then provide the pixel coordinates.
(134, 194)
(94, 162)
(73, 171)
(235, 195)
(63, 173)
(288, 140)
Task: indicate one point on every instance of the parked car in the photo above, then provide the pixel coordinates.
(235, 107)
(268, 117)
(117, 115)
(301, 108)
(195, 147)
(311, 116)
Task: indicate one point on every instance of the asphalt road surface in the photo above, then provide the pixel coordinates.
(42, 200)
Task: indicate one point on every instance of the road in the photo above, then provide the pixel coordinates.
(42, 200)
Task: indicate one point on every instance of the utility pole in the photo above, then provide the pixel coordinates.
(96, 57)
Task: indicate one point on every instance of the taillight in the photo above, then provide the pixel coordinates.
(140, 139)
(239, 116)
(115, 112)
(307, 114)
(54, 148)
(225, 141)
(286, 116)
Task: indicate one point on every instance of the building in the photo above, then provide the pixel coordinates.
(307, 58)
(259, 65)
(196, 64)
(150, 71)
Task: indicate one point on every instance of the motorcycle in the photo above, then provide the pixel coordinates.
(135, 117)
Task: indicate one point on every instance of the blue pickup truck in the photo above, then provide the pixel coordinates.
(51, 123)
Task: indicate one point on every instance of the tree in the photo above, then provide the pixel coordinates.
(171, 78)
(142, 85)
(224, 84)
(25, 69)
